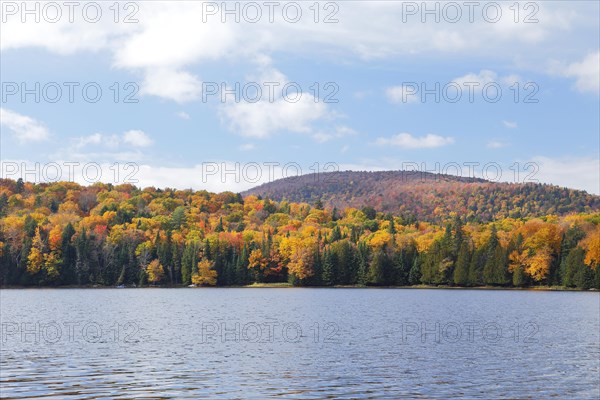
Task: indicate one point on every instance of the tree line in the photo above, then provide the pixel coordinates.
(66, 234)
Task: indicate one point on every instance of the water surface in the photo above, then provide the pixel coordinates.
(299, 343)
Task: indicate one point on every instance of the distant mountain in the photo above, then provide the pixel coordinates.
(426, 196)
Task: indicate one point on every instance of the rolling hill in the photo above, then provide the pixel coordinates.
(429, 197)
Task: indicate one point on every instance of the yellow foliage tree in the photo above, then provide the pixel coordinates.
(69, 207)
(155, 271)
(270, 264)
(380, 239)
(300, 255)
(517, 259)
(35, 260)
(206, 276)
(538, 265)
(542, 241)
(52, 263)
(13, 228)
(55, 238)
(256, 260)
(143, 252)
(591, 244)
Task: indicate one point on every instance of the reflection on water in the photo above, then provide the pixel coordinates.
(299, 343)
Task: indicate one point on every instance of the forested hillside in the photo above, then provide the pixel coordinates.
(67, 234)
(429, 197)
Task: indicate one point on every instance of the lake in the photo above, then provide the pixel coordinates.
(299, 343)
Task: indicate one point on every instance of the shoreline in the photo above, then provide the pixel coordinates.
(289, 286)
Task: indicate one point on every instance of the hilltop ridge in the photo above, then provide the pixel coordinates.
(427, 196)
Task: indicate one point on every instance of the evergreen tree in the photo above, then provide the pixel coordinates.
(369, 212)
(376, 275)
(478, 260)
(572, 264)
(519, 278)
(400, 270)
(319, 204)
(577, 274)
(461, 270)
(241, 268)
(220, 227)
(82, 264)
(178, 218)
(494, 269)
(572, 236)
(414, 276)
(189, 262)
(335, 214)
(343, 259)
(3, 204)
(176, 262)
(362, 257)
(585, 278)
(328, 268)
(318, 265)
(437, 267)
(336, 234)
(19, 186)
(69, 256)
(391, 226)
(458, 237)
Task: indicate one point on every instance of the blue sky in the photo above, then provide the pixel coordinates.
(372, 57)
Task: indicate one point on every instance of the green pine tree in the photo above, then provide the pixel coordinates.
(461, 270)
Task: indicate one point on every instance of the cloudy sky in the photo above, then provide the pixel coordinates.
(197, 94)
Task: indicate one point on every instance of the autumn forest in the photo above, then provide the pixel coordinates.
(62, 233)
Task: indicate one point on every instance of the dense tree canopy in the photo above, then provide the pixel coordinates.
(429, 197)
(66, 234)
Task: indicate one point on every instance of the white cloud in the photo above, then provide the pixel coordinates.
(24, 128)
(106, 147)
(402, 94)
(96, 139)
(586, 73)
(267, 116)
(577, 173)
(62, 37)
(173, 35)
(137, 138)
(510, 124)
(179, 86)
(408, 141)
(450, 41)
(411, 93)
(512, 79)
(336, 133)
(183, 115)
(573, 172)
(134, 138)
(263, 118)
(478, 80)
(483, 77)
(217, 176)
(495, 144)
(170, 37)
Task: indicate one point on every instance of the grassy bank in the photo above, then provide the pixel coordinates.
(279, 285)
